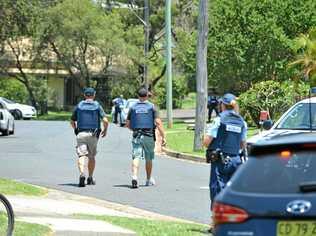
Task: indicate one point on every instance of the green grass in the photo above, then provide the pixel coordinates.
(9, 187)
(180, 139)
(24, 229)
(144, 227)
(52, 115)
(189, 101)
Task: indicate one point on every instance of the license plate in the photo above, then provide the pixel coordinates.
(296, 228)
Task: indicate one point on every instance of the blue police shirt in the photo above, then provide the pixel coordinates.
(212, 129)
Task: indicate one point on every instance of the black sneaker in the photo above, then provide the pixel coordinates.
(90, 181)
(82, 180)
(134, 183)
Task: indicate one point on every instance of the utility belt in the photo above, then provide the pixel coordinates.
(217, 156)
(95, 132)
(145, 132)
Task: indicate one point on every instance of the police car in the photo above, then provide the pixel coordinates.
(301, 117)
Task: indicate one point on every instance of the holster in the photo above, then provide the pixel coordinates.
(213, 155)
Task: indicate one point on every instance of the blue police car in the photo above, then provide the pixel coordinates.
(273, 193)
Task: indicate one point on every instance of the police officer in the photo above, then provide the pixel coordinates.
(142, 119)
(212, 104)
(224, 140)
(85, 121)
(118, 103)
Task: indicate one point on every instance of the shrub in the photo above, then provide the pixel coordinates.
(273, 96)
(13, 90)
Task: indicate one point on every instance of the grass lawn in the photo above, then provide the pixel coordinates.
(24, 229)
(180, 139)
(144, 227)
(189, 101)
(52, 115)
(9, 187)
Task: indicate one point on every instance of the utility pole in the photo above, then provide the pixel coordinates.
(146, 41)
(201, 76)
(168, 63)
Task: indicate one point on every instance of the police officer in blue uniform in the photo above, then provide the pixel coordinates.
(212, 104)
(86, 122)
(224, 140)
(118, 104)
(142, 119)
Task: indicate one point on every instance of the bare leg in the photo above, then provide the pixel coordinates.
(81, 161)
(149, 166)
(91, 166)
(135, 167)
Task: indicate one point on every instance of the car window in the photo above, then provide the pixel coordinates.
(8, 101)
(299, 117)
(1, 106)
(275, 174)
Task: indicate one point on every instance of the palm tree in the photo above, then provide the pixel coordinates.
(305, 47)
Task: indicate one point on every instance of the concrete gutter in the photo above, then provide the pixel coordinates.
(184, 156)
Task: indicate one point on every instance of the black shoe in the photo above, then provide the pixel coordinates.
(210, 231)
(82, 180)
(90, 181)
(134, 183)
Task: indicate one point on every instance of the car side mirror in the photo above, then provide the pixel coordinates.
(267, 124)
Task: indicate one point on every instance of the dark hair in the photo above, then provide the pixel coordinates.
(142, 92)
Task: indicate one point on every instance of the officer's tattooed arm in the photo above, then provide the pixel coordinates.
(160, 128)
(105, 127)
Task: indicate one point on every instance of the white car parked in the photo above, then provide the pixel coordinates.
(301, 117)
(20, 111)
(6, 121)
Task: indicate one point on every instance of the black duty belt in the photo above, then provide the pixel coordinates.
(145, 132)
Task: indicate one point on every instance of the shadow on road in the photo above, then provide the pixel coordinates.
(69, 184)
(122, 186)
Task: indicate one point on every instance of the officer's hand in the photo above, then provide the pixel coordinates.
(164, 142)
(76, 131)
(103, 133)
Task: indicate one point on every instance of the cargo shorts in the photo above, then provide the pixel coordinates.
(86, 145)
(143, 147)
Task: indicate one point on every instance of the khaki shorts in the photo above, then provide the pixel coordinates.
(143, 147)
(86, 145)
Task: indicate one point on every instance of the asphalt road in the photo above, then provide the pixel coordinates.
(43, 153)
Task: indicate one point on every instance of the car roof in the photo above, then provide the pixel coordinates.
(292, 141)
(307, 100)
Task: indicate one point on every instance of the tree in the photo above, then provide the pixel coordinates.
(250, 40)
(18, 20)
(305, 47)
(84, 39)
(201, 75)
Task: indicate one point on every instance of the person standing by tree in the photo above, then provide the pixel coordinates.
(142, 119)
(85, 121)
(212, 104)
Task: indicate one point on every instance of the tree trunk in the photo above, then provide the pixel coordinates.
(31, 94)
(201, 75)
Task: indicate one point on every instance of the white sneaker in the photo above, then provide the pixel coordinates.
(150, 182)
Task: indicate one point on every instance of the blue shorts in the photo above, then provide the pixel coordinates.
(143, 147)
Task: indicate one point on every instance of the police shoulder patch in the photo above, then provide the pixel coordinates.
(233, 128)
